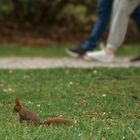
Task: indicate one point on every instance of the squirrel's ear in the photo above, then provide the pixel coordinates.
(18, 102)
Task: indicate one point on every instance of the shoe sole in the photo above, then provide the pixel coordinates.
(87, 58)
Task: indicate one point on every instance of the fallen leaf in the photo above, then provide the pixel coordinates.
(138, 101)
(137, 116)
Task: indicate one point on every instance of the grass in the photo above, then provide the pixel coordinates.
(56, 50)
(102, 101)
(32, 51)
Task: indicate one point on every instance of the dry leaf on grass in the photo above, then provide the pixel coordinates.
(137, 116)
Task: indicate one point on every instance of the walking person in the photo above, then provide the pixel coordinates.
(104, 10)
(122, 9)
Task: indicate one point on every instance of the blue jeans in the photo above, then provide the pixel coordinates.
(136, 17)
(104, 9)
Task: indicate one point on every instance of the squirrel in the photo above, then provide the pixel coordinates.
(26, 115)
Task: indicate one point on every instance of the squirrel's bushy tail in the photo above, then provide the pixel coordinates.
(57, 121)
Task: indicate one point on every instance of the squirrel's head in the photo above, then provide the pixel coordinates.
(17, 106)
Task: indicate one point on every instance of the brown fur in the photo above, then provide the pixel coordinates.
(57, 121)
(25, 115)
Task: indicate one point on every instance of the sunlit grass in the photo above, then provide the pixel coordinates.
(103, 102)
(57, 50)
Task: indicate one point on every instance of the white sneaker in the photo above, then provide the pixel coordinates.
(101, 56)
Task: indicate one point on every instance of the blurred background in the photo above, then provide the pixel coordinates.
(44, 22)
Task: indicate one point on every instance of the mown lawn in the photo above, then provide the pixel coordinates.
(103, 102)
(57, 50)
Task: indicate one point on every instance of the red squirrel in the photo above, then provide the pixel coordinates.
(30, 117)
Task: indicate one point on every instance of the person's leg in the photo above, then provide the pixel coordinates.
(104, 10)
(121, 12)
(136, 17)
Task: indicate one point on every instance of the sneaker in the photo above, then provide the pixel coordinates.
(78, 52)
(101, 56)
(135, 59)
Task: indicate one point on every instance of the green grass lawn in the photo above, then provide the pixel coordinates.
(102, 101)
(57, 50)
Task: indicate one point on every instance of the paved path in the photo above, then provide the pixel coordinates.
(43, 63)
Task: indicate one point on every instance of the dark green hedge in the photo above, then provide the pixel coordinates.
(40, 11)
